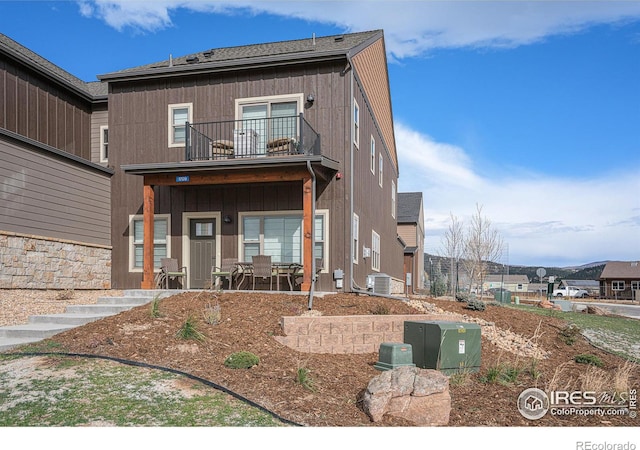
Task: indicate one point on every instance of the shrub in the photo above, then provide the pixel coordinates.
(476, 305)
(462, 296)
(380, 309)
(586, 358)
(212, 314)
(303, 376)
(155, 307)
(569, 334)
(241, 360)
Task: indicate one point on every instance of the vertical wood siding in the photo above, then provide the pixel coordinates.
(34, 108)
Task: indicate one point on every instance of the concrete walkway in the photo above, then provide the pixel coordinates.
(44, 326)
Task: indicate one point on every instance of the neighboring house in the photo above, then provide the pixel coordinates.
(513, 283)
(55, 219)
(620, 280)
(284, 148)
(411, 231)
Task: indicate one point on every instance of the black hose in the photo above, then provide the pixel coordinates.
(166, 369)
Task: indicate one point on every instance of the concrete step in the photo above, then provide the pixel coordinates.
(33, 330)
(67, 318)
(47, 325)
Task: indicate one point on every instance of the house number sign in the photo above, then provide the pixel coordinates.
(182, 178)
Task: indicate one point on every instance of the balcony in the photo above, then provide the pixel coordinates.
(251, 138)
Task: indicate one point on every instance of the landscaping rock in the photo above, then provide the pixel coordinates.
(420, 396)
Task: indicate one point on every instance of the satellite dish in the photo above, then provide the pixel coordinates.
(541, 272)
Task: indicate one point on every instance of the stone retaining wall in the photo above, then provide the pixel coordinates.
(34, 262)
(346, 334)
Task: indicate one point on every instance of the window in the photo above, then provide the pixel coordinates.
(160, 241)
(279, 235)
(179, 114)
(372, 157)
(380, 164)
(375, 251)
(272, 117)
(635, 285)
(104, 144)
(356, 124)
(393, 199)
(356, 237)
(617, 285)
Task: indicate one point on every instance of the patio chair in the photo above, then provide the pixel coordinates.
(170, 270)
(296, 273)
(262, 269)
(227, 269)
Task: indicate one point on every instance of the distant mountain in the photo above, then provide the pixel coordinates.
(589, 271)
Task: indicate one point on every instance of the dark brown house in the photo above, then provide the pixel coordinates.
(283, 148)
(620, 280)
(55, 218)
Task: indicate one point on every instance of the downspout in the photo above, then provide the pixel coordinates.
(313, 233)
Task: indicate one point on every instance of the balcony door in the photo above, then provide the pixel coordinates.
(271, 118)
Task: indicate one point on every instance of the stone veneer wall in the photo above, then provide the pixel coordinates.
(346, 334)
(35, 262)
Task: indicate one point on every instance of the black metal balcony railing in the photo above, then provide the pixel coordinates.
(251, 138)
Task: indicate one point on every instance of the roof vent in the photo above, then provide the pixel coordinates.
(339, 38)
(208, 53)
(192, 59)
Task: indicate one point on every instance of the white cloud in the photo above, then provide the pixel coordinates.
(545, 219)
(411, 28)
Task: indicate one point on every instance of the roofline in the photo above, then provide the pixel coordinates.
(47, 73)
(54, 151)
(222, 66)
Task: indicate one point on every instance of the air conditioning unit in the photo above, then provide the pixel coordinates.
(379, 283)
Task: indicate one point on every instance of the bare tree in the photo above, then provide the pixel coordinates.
(453, 243)
(482, 244)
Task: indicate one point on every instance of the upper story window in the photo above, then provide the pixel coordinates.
(380, 165)
(372, 156)
(179, 114)
(269, 120)
(356, 124)
(104, 144)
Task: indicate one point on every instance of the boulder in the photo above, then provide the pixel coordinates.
(546, 304)
(420, 396)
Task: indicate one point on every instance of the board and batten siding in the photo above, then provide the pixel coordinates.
(37, 109)
(43, 195)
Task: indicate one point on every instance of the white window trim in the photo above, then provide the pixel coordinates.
(375, 262)
(170, 109)
(618, 283)
(240, 102)
(393, 199)
(356, 125)
(372, 156)
(132, 256)
(103, 158)
(380, 169)
(319, 212)
(356, 237)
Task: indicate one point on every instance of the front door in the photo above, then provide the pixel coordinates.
(202, 246)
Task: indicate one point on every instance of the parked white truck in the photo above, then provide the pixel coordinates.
(570, 292)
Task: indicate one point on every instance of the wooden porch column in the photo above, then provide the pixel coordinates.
(147, 244)
(307, 232)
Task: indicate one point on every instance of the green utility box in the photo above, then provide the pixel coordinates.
(394, 354)
(502, 296)
(451, 347)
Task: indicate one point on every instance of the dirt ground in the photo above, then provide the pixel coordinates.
(249, 322)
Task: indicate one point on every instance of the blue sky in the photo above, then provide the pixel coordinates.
(528, 109)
